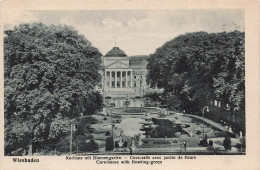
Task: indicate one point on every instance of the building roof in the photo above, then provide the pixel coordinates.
(116, 52)
(138, 62)
(138, 58)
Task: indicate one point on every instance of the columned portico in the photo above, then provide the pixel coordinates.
(121, 75)
(121, 79)
(131, 77)
(110, 79)
(118, 79)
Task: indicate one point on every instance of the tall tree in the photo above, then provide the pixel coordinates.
(50, 73)
(196, 68)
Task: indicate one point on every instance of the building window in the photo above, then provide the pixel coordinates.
(113, 84)
(135, 84)
(134, 77)
(123, 84)
(113, 75)
(113, 80)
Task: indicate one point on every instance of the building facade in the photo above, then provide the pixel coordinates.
(124, 76)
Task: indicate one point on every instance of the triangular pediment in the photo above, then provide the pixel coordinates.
(117, 65)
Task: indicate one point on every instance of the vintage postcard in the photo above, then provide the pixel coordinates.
(130, 84)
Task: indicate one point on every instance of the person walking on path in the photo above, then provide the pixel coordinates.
(185, 146)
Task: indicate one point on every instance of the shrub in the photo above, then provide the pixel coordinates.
(97, 131)
(85, 143)
(125, 144)
(223, 134)
(203, 143)
(91, 146)
(107, 133)
(211, 143)
(165, 130)
(84, 122)
(63, 145)
(154, 96)
(198, 132)
(88, 120)
(109, 144)
(145, 142)
(206, 138)
(227, 143)
(105, 118)
(116, 145)
(243, 142)
(90, 130)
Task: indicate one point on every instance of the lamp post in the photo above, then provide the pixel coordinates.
(141, 80)
(107, 105)
(142, 100)
(112, 125)
(104, 84)
(205, 107)
(167, 103)
(71, 129)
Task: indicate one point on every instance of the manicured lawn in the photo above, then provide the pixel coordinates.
(131, 127)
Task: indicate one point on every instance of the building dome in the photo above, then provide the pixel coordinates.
(116, 52)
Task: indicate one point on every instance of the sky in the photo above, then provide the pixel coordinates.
(136, 32)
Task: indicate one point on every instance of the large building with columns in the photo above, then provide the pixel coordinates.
(124, 76)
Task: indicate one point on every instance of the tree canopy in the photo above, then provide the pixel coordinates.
(196, 68)
(50, 73)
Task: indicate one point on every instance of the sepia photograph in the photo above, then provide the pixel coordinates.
(125, 82)
(129, 84)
